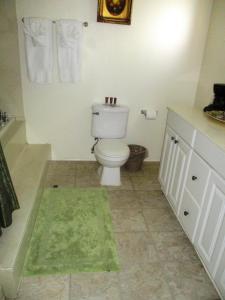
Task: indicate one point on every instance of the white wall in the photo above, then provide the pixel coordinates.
(213, 67)
(10, 81)
(151, 63)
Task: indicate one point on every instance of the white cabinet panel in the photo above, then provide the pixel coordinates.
(167, 159)
(212, 222)
(179, 168)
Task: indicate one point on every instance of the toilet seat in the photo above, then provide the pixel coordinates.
(112, 148)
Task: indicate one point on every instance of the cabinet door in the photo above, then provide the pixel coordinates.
(166, 159)
(179, 168)
(211, 227)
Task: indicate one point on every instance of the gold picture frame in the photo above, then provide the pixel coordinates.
(114, 11)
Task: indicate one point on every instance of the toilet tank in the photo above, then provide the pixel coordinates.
(109, 122)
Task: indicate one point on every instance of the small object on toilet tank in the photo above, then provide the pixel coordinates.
(111, 100)
(106, 100)
(115, 100)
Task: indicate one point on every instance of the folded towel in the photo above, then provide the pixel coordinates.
(69, 37)
(38, 44)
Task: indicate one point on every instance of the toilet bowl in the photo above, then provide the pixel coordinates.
(111, 154)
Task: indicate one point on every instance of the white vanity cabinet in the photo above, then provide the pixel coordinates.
(192, 177)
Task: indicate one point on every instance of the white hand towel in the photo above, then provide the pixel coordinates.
(38, 44)
(69, 37)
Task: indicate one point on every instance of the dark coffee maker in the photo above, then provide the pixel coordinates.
(219, 98)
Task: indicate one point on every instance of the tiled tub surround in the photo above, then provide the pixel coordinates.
(157, 260)
(27, 166)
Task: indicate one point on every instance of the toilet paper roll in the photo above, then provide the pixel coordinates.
(151, 114)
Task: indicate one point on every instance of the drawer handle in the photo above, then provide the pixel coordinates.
(186, 213)
(176, 142)
(194, 178)
(172, 138)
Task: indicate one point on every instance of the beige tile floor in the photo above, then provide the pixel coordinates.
(157, 260)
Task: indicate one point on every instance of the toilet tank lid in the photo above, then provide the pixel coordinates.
(109, 108)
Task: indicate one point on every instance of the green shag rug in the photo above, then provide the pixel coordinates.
(72, 233)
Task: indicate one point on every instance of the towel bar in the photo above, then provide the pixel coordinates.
(85, 24)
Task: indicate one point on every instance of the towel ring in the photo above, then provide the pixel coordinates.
(85, 24)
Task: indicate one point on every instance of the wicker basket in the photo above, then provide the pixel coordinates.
(135, 160)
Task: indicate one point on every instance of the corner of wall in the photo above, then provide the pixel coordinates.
(212, 70)
(10, 75)
(197, 102)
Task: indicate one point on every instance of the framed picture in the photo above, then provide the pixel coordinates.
(114, 11)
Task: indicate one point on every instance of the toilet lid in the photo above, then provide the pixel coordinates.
(112, 148)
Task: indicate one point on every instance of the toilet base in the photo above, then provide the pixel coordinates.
(109, 176)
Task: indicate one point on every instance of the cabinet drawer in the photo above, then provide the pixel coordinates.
(188, 214)
(210, 152)
(197, 177)
(183, 128)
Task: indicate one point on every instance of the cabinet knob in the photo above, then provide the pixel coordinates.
(176, 142)
(194, 178)
(172, 138)
(186, 213)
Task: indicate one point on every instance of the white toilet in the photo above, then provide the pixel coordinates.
(109, 125)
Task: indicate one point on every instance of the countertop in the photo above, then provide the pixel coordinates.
(213, 129)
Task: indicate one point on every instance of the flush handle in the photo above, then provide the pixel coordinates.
(194, 178)
(186, 213)
(95, 113)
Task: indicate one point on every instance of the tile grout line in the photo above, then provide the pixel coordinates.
(119, 287)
